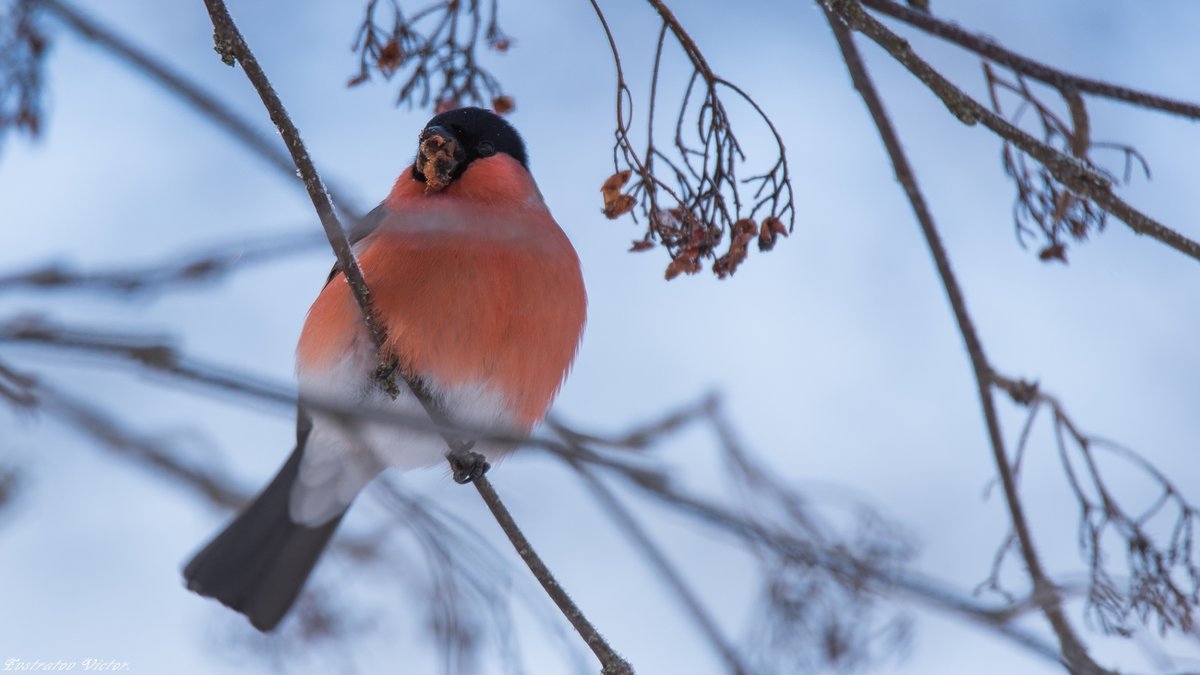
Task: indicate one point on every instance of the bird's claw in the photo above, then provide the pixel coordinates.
(467, 465)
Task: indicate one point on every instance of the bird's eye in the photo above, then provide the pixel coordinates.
(485, 149)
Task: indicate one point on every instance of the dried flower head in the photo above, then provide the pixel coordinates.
(503, 105)
(771, 229)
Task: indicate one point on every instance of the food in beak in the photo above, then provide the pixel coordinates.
(437, 158)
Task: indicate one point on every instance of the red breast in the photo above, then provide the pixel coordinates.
(476, 284)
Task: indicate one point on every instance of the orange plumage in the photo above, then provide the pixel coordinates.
(496, 299)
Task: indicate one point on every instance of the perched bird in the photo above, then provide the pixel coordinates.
(482, 298)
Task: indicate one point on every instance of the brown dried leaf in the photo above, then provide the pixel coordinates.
(390, 57)
(357, 79)
(727, 264)
(680, 265)
(501, 45)
(745, 227)
(1053, 252)
(721, 267)
(744, 231)
(772, 228)
(446, 105)
(618, 206)
(641, 245)
(503, 105)
(614, 183)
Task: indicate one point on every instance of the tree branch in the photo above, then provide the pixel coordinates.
(916, 587)
(611, 662)
(993, 51)
(1071, 172)
(189, 268)
(232, 48)
(1074, 653)
(658, 559)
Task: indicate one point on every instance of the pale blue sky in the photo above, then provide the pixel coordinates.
(865, 385)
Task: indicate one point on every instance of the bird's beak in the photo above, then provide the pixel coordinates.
(439, 155)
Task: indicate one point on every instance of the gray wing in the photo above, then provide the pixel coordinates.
(259, 563)
(365, 226)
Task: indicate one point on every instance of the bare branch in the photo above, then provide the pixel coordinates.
(612, 662)
(233, 49)
(658, 559)
(1074, 653)
(1164, 578)
(1077, 176)
(838, 561)
(1059, 79)
(156, 357)
(1041, 198)
(186, 269)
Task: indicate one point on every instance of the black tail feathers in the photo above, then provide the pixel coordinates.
(258, 565)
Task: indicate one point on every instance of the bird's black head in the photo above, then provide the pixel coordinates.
(463, 136)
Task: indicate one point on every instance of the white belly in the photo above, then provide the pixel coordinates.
(342, 456)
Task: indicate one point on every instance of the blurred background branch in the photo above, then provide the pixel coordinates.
(801, 554)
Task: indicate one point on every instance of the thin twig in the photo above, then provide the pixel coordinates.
(612, 662)
(1059, 79)
(666, 571)
(1076, 175)
(233, 49)
(1074, 653)
(921, 589)
(1163, 574)
(188, 268)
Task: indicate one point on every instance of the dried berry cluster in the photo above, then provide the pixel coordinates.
(435, 49)
(690, 192)
(689, 240)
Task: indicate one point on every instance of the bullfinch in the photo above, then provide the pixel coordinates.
(483, 302)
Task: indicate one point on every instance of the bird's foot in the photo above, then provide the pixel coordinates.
(385, 376)
(467, 465)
